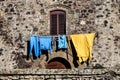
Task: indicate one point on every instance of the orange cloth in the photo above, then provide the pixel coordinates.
(83, 45)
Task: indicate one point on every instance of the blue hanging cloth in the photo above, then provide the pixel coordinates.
(34, 43)
(62, 42)
(45, 43)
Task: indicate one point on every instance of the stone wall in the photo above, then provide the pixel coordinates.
(21, 18)
(107, 45)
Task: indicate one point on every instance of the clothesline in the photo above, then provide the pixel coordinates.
(67, 35)
(82, 43)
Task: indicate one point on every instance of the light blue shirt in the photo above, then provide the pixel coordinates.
(45, 43)
(62, 43)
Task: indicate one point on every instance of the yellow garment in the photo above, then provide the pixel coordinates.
(83, 45)
(90, 39)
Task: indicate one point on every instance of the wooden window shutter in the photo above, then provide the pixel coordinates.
(62, 23)
(53, 24)
(58, 22)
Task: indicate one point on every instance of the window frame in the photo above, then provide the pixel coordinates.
(58, 12)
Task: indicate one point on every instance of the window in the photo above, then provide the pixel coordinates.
(57, 22)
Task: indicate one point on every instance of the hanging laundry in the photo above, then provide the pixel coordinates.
(62, 43)
(83, 45)
(34, 44)
(45, 43)
(54, 40)
(90, 39)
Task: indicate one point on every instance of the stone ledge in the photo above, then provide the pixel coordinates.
(57, 71)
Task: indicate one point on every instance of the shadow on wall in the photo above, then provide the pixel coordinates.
(75, 58)
(57, 62)
(44, 52)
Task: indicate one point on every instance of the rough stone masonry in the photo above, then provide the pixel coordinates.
(21, 18)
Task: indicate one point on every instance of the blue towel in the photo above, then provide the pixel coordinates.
(62, 43)
(45, 43)
(34, 43)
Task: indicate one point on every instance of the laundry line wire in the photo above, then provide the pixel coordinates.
(61, 34)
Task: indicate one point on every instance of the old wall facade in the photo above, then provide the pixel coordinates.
(21, 18)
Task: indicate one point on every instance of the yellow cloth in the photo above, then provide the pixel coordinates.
(83, 45)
